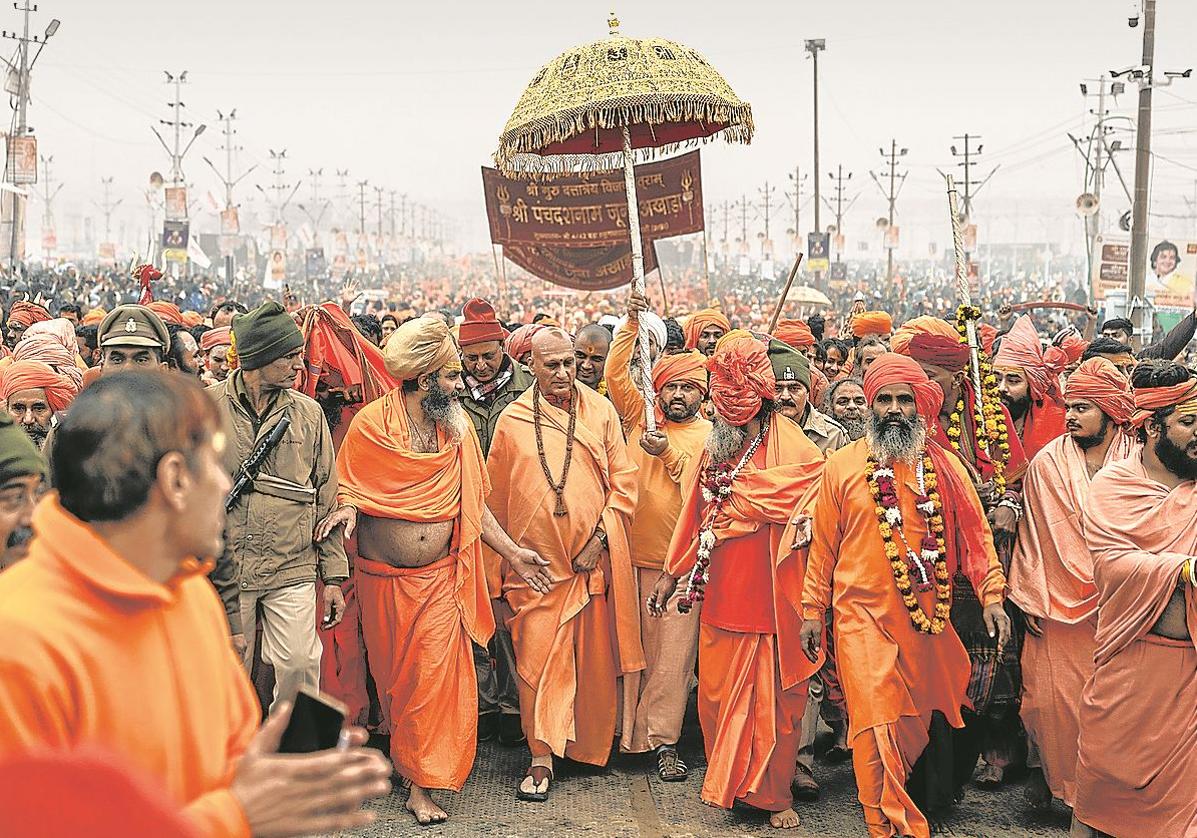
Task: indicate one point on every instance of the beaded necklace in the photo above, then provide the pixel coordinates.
(558, 487)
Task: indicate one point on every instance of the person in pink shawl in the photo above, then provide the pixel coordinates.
(1051, 573)
(1137, 753)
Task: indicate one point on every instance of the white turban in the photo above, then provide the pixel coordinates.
(652, 323)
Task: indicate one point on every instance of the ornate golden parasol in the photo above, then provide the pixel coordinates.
(592, 106)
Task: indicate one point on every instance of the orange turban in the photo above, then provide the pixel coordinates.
(794, 333)
(685, 366)
(872, 323)
(818, 385)
(1150, 399)
(213, 338)
(1100, 382)
(699, 321)
(94, 317)
(26, 314)
(931, 341)
(29, 375)
(191, 319)
(1021, 349)
(519, 342)
(169, 312)
(892, 368)
(986, 335)
(1072, 343)
(741, 377)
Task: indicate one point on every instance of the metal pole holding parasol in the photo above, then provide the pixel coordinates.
(963, 296)
(592, 106)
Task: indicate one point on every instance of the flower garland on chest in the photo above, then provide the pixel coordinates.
(929, 565)
(717, 481)
(987, 415)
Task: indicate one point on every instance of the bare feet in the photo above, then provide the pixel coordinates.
(784, 820)
(422, 807)
(1039, 796)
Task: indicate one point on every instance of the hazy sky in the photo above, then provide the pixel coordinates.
(411, 96)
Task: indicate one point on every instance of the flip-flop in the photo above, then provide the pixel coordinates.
(535, 796)
(670, 767)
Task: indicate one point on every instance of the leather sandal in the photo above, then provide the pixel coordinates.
(539, 774)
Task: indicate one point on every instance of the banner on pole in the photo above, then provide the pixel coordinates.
(175, 235)
(21, 168)
(230, 222)
(818, 246)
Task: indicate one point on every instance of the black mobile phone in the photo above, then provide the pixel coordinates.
(315, 725)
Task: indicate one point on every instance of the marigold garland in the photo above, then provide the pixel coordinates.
(988, 414)
(932, 549)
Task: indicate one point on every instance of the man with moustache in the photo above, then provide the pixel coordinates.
(1137, 752)
(22, 476)
(662, 458)
(847, 405)
(704, 328)
(36, 396)
(1051, 571)
(904, 671)
(1028, 379)
(493, 380)
(413, 487)
(792, 371)
(591, 346)
(739, 548)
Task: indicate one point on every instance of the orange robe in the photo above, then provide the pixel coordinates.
(1138, 719)
(893, 676)
(656, 698)
(418, 622)
(96, 655)
(573, 642)
(1051, 578)
(751, 671)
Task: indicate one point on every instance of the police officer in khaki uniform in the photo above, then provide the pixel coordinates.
(132, 337)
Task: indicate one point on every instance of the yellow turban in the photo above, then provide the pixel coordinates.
(419, 347)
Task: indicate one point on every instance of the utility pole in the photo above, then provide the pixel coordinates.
(1097, 154)
(838, 179)
(229, 181)
(968, 158)
(726, 215)
(391, 213)
(794, 196)
(1137, 290)
(22, 67)
(361, 201)
(107, 207)
(813, 47)
(766, 207)
(378, 193)
(314, 218)
(48, 195)
(743, 206)
(177, 124)
(896, 182)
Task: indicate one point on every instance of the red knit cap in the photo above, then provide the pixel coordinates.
(480, 324)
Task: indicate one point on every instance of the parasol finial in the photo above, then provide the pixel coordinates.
(612, 24)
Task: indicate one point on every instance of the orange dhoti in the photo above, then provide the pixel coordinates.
(1055, 668)
(422, 660)
(750, 725)
(343, 659)
(559, 637)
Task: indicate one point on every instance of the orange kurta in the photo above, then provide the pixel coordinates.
(1043, 423)
(1138, 718)
(98, 655)
(573, 642)
(656, 697)
(752, 674)
(1051, 578)
(894, 677)
(418, 622)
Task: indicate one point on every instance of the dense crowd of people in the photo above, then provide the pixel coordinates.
(467, 508)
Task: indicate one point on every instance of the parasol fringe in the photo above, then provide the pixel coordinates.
(519, 148)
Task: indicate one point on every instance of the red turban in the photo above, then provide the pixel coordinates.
(1021, 349)
(26, 314)
(169, 312)
(30, 375)
(741, 377)
(872, 323)
(519, 342)
(1150, 399)
(986, 335)
(931, 341)
(697, 322)
(479, 324)
(795, 333)
(213, 338)
(1100, 382)
(892, 368)
(1072, 343)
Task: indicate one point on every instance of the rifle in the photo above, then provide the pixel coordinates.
(249, 469)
